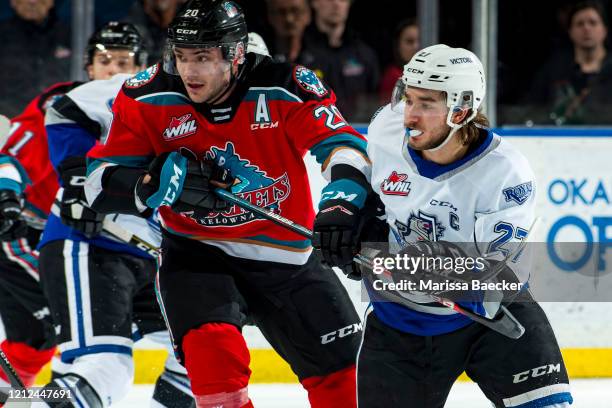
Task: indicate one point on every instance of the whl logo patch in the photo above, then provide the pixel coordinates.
(396, 184)
(180, 127)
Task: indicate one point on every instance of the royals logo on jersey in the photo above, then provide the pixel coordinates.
(519, 194)
(420, 227)
(395, 184)
(309, 81)
(180, 127)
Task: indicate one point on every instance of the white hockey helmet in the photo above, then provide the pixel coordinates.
(257, 44)
(456, 71)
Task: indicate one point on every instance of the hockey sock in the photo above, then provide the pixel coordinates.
(26, 360)
(335, 390)
(217, 362)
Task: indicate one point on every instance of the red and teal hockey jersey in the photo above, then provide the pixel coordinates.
(276, 115)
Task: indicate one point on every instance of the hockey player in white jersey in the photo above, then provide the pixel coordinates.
(100, 289)
(444, 178)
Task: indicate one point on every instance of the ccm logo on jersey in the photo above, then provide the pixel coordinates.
(343, 332)
(395, 184)
(537, 372)
(180, 127)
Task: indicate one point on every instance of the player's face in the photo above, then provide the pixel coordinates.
(426, 111)
(587, 29)
(204, 71)
(110, 62)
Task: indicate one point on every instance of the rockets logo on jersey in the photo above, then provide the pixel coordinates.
(395, 184)
(309, 81)
(143, 77)
(519, 194)
(250, 183)
(180, 127)
(420, 227)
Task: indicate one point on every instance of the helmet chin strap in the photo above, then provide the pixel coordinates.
(454, 128)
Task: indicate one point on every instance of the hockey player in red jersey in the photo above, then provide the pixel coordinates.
(26, 172)
(28, 185)
(212, 115)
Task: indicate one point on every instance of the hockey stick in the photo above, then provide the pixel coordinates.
(506, 324)
(8, 369)
(126, 236)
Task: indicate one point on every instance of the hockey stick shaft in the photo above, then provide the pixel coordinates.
(265, 213)
(8, 369)
(506, 324)
(513, 332)
(126, 236)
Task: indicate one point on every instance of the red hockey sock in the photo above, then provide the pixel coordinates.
(26, 360)
(217, 362)
(335, 390)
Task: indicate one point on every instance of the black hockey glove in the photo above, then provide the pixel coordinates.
(339, 222)
(12, 226)
(74, 210)
(184, 182)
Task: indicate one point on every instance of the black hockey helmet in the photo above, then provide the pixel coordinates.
(115, 35)
(208, 23)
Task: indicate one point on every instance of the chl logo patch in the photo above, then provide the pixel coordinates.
(180, 127)
(519, 194)
(309, 81)
(143, 77)
(395, 184)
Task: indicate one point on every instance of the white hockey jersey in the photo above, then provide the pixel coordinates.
(486, 198)
(75, 124)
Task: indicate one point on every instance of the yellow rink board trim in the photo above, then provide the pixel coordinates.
(268, 367)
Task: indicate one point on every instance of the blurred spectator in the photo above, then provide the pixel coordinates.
(405, 45)
(576, 85)
(35, 53)
(289, 19)
(342, 60)
(152, 18)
